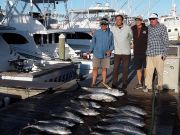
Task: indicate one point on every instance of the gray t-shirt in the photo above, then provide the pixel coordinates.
(122, 39)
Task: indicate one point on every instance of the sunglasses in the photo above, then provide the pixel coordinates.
(138, 20)
(152, 19)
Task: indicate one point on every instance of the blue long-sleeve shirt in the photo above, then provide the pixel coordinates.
(102, 42)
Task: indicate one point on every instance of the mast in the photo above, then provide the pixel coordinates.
(31, 7)
(67, 13)
(149, 5)
(173, 10)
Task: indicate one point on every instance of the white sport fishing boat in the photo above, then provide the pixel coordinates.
(33, 55)
(30, 46)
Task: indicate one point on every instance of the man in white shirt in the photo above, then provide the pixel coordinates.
(122, 38)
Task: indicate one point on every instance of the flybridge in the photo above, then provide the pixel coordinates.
(42, 13)
(43, 1)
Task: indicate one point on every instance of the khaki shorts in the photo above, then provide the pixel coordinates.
(101, 63)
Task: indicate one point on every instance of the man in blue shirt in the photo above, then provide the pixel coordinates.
(102, 47)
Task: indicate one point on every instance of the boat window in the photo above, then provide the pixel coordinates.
(176, 29)
(11, 38)
(78, 35)
(55, 80)
(169, 30)
(35, 15)
(51, 80)
(44, 39)
(59, 78)
(67, 76)
(37, 38)
(56, 38)
(63, 78)
(50, 38)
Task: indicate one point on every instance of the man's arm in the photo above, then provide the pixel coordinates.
(112, 43)
(92, 43)
(130, 34)
(165, 40)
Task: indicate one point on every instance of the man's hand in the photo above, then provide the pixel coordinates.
(163, 58)
(89, 52)
(108, 53)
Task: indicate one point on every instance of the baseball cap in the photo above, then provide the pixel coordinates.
(104, 21)
(153, 15)
(139, 17)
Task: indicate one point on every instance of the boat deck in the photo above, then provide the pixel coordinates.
(44, 70)
(25, 89)
(166, 110)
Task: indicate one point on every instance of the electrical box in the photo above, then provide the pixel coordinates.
(172, 68)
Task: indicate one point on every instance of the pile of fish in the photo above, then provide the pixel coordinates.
(125, 120)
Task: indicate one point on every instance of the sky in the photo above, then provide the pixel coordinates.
(132, 8)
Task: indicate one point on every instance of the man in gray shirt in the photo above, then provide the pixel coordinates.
(122, 50)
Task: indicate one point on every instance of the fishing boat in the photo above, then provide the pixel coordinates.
(34, 55)
(84, 22)
(37, 48)
(172, 22)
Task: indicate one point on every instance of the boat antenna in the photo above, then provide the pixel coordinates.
(9, 7)
(67, 13)
(173, 10)
(31, 7)
(149, 5)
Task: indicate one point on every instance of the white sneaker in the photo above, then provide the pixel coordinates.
(145, 90)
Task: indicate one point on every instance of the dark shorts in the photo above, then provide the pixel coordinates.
(140, 62)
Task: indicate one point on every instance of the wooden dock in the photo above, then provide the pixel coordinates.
(18, 115)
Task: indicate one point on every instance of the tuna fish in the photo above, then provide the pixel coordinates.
(114, 92)
(122, 128)
(70, 116)
(106, 133)
(87, 104)
(50, 128)
(99, 97)
(96, 133)
(130, 108)
(128, 120)
(83, 111)
(134, 109)
(125, 113)
(61, 122)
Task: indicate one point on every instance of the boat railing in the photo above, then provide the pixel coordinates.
(30, 53)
